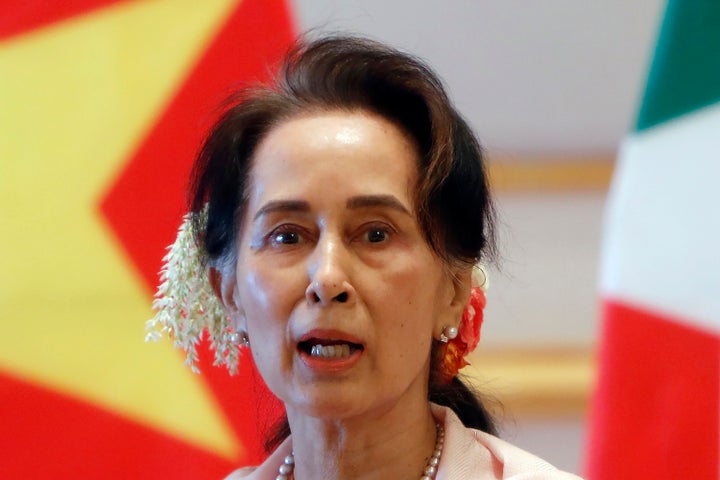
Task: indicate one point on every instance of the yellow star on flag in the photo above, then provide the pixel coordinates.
(76, 97)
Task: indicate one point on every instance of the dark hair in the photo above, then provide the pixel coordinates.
(344, 73)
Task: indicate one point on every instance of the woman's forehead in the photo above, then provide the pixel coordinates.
(318, 128)
(333, 156)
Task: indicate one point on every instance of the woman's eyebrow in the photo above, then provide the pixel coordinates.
(377, 201)
(282, 206)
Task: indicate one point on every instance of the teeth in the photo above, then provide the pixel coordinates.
(330, 351)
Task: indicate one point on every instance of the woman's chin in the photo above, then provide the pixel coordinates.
(331, 402)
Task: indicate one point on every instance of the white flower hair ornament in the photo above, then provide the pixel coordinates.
(186, 305)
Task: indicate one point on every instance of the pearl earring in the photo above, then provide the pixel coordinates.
(448, 333)
(239, 337)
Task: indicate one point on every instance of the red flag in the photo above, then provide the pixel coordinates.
(104, 105)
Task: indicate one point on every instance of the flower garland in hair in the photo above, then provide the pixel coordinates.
(469, 331)
(186, 305)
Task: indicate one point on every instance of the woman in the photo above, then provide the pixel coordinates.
(338, 214)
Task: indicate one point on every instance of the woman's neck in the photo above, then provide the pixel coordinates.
(391, 443)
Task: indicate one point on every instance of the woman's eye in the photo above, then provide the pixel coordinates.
(285, 238)
(376, 235)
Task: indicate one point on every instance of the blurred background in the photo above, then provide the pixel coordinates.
(102, 104)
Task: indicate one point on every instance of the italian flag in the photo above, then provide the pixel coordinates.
(655, 411)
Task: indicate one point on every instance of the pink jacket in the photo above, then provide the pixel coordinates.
(467, 455)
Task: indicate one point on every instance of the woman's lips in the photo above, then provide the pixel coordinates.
(329, 351)
(329, 337)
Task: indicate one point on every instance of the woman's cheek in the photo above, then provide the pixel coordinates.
(271, 288)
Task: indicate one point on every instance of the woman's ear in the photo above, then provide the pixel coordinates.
(225, 287)
(458, 294)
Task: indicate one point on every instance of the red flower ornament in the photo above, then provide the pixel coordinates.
(468, 336)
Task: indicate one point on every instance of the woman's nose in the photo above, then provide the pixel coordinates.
(329, 279)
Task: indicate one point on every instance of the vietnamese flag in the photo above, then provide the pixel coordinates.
(102, 106)
(655, 411)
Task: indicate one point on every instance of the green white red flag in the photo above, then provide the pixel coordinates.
(655, 410)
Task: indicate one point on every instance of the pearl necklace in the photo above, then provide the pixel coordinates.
(285, 472)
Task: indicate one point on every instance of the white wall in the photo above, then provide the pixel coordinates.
(545, 291)
(530, 75)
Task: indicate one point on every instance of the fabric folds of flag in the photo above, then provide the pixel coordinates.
(655, 411)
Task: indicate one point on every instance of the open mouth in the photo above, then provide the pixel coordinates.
(330, 349)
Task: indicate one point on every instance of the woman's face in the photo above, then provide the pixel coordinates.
(337, 288)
